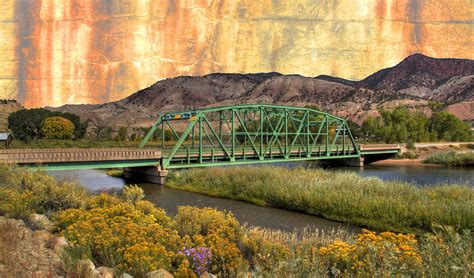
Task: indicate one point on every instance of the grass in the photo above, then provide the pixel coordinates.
(339, 196)
(452, 158)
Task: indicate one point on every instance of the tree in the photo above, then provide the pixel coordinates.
(356, 130)
(397, 126)
(447, 127)
(57, 128)
(26, 124)
(122, 134)
(98, 128)
(400, 125)
(80, 128)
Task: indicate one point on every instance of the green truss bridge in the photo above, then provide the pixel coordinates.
(221, 136)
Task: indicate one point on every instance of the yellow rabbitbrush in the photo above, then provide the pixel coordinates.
(379, 254)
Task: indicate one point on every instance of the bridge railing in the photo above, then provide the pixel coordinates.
(38, 156)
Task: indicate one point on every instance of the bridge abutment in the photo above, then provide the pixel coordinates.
(150, 174)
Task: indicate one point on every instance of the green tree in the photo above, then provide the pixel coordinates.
(447, 127)
(26, 124)
(122, 134)
(397, 125)
(57, 128)
(356, 130)
(435, 106)
(400, 125)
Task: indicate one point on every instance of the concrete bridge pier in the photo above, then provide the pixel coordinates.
(150, 174)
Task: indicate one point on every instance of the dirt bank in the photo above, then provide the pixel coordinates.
(422, 151)
(28, 253)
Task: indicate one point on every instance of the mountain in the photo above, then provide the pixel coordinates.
(418, 75)
(414, 82)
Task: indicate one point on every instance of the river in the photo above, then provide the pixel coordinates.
(169, 199)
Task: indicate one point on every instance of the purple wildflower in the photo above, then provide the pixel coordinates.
(199, 257)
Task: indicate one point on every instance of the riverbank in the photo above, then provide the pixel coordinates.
(123, 233)
(434, 155)
(345, 197)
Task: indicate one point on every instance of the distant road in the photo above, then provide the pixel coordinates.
(434, 144)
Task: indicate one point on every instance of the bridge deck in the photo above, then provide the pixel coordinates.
(379, 148)
(34, 156)
(93, 158)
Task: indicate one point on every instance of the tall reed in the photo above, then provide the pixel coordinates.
(340, 196)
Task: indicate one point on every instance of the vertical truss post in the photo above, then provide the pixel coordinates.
(233, 135)
(335, 140)
(261, 133)
(286, 133)
(220, 125)
(327, 134)
(308, 153)
(193, 138)
(344, 138)
(162, 136)
(200, 138)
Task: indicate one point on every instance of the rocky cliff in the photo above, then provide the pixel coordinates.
(85, 51)
(414, 82)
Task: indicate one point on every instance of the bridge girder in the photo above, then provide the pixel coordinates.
(255, 133)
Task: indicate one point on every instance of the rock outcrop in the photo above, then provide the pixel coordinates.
(27, 253)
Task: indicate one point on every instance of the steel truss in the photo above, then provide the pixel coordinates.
(244, 134)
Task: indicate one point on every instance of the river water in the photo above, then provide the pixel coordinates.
(169, 199)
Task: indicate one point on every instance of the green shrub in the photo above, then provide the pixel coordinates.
(410, 144)
(118, 173)
(133, 193)
(402, 125)
(23, 192)
(408, 155)
(452, 158)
